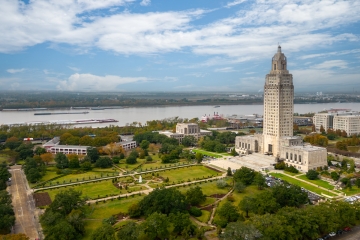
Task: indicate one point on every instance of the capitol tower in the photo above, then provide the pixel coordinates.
(277, 140)
(278, 104)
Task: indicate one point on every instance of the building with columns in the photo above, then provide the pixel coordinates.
(277, 138)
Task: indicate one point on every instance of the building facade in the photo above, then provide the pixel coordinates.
(277, 138)
(347, 121)
(186, 129)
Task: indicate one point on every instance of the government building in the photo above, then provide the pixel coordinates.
(277, 138)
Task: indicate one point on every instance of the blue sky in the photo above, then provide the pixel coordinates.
(177, 45)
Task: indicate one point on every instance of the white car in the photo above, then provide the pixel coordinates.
(332, 234)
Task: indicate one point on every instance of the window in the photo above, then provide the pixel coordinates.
(287, 155)
(291, 156)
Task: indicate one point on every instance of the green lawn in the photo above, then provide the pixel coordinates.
(302, 184)
(3, 158)
(216, 155)
(208, 188)
(191, 172)
(92, 190)
(204, 217)
(208, 201)
(354, 190)
(100, 211)
(318, 182)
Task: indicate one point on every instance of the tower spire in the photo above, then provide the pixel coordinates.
(279, 48)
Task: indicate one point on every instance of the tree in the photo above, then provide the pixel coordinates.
(233, 152)
(128, 232)
(113, 149)
(18, 236)
(229, 172)
(61, 161)
(7, 215)
(104, 232)
(66, 201)
(166, 201)
(4, 175)
(312, 174)
(246, 205)
(182, 224)
(33, 175)
(245, 175)
(322, 129)
(104, 162)
(86, 166)
(188, 141)
(61, 230)
(195, 196)
(221, 184)
(73, 161)
(40, 150)
(228, 212)
(239, 187)
(46, 157)
(334, 176)
(357, 182)
(198, 157)
(240, 230)
(144, 144)
(155, 227)
(86, 141)
(131, 159)
(259, 181)
(289, 195)
(93, 154)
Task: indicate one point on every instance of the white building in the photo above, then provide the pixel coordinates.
(347, 121)
(53, 146)
(187, 129)
(277, 138)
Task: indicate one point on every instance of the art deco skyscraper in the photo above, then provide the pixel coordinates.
(278, 104)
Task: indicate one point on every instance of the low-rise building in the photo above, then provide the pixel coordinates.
(347, 121)
(186, 129)
(53, 146)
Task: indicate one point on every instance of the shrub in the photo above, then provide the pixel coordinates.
(312, 174)
(194, 211)
(221, 183)
(291, 169)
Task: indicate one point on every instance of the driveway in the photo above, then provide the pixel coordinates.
(26, 221)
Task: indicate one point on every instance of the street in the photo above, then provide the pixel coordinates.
(24, 207)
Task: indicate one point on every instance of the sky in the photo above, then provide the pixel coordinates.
(177, 45)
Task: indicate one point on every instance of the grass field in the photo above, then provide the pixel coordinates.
(318, 182)
(302, 184)
(204, 217)
(211, 154)
(92, 190)
(208, 188)
(100, 211)
(186, 173)
(208, 201)
(353, 191)
(3, 158)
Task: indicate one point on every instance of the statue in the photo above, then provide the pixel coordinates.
(140, 179)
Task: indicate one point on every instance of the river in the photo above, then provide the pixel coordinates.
(126, 116)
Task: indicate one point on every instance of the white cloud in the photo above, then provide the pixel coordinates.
(326, 54)
(75, 69)
(234, 3)
(145, 2)
(11, 70)
(225, 69)
(90, 82)
(251, 33)
(332, 64)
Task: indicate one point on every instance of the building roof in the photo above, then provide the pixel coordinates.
(307, 148)
(71, 147)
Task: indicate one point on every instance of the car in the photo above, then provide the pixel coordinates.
(339, 232)
(346, 229)
(332, 234)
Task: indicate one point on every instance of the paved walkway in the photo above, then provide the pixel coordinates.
(24, 206)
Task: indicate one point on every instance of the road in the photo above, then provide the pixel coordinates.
(24, 206)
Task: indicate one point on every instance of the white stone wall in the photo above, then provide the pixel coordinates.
(350, 124)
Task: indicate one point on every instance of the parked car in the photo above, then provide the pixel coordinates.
(332, 234)
(346, 229)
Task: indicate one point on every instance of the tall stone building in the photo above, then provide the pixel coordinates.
(278, 104)
(277, 138)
